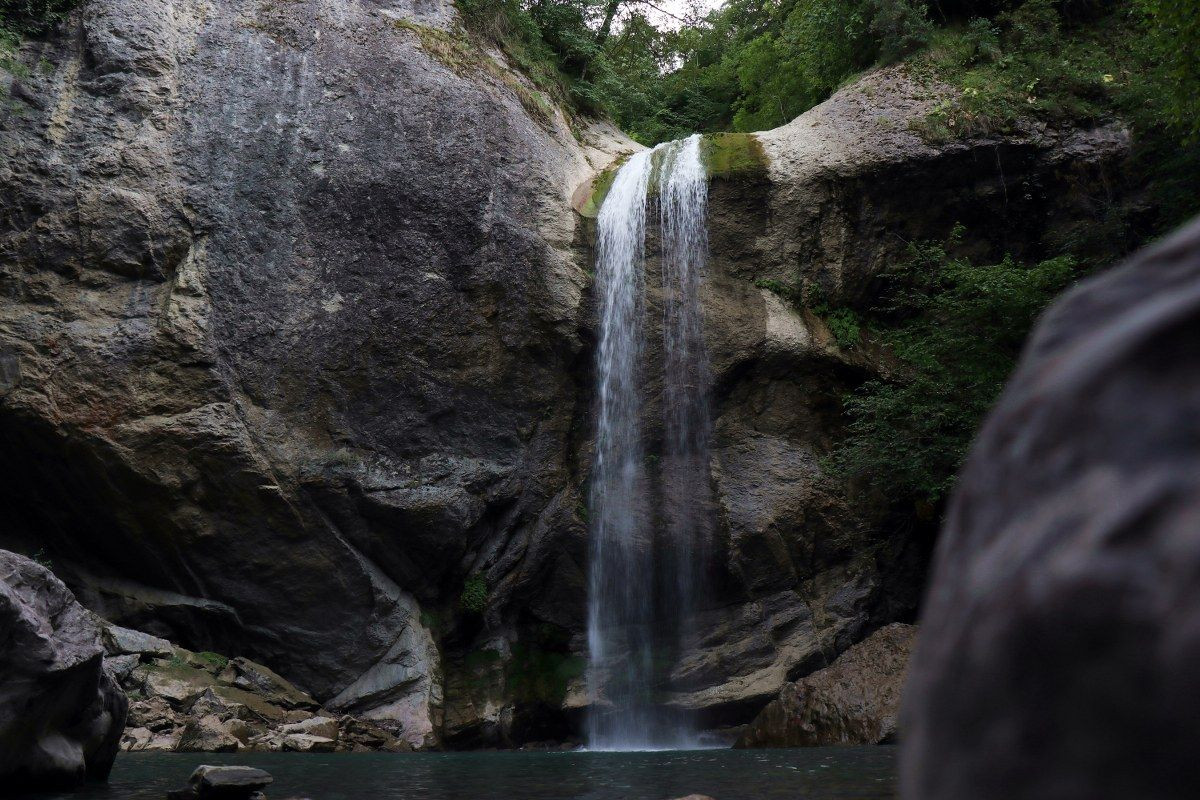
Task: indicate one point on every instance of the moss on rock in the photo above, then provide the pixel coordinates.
(598, 190)
(464, 57)
(734, 156)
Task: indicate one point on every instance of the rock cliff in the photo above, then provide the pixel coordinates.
(295, 352)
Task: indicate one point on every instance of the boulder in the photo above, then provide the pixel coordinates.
(223, 783)
(207, 735)
(120, 667)
(251, 677)
(316, 726)
(855, 700)
(1061, 635)
(61, 714)
(307, 743)
(120, 641)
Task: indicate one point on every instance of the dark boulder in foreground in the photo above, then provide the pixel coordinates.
(855, 700)
(61, 715)
(1060, 649)
(224, 783)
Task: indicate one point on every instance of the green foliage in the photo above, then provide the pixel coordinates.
(845, 326)
(1174, 39)
(474, 595)
(535, 674)
(956, 329)
(214, 661)
(19, 18)
(32, 16)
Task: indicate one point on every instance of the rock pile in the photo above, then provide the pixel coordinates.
(203, 702)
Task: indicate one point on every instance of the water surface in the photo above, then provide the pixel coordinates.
(845, 773)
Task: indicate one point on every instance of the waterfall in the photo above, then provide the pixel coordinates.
(646, 557)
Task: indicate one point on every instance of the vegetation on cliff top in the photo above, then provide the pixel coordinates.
(755, 64)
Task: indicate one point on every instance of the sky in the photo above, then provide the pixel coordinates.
(666, 14)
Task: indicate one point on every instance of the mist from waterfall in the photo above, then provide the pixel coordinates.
(646, 557)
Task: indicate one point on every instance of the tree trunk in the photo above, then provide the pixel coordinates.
(610, 11)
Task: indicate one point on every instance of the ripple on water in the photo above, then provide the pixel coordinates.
(846, 773)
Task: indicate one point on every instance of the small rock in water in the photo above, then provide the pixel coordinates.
(695, 797)
(224, 783)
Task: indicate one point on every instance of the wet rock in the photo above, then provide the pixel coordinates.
(207, 734)
(245, 674)
(253, 485)
(1058, 653)
(224, 783)
(855, 700)
(315, 726)
(61, 714)
(307, 743)
(120, 641)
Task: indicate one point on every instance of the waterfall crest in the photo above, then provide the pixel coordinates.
(646, 557)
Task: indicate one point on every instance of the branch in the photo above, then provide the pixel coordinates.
(660, 10)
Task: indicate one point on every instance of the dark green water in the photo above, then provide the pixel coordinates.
(845, 773)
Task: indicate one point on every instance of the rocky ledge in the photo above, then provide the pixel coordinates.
(183, 701)
(855, 700)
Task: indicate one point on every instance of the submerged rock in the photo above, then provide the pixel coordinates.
(1059, 649)
(61, 714)
(855, 700)
(224, 783)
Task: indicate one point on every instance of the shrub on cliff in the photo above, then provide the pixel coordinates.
(31, 16)
(956, 328)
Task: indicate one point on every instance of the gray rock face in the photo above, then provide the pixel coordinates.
(61, 715)
(855, 700)
(1058, 653)
(295, 340)
(295, 301)
(812, 565)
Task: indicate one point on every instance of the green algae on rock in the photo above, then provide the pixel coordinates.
(734, 156)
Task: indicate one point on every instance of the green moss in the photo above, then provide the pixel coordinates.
(464, 57)
(734, 156)
(541, 676)
(601, 184)
(474, 595)
(213, 660)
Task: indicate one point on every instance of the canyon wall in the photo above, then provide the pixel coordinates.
(296, 352)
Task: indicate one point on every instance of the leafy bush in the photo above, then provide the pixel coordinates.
(31, 16)
(1174, 38)
(957, 329)
(474, 595)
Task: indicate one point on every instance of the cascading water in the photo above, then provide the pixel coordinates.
(639, 605)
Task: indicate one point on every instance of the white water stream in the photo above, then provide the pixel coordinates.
(649, 513)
